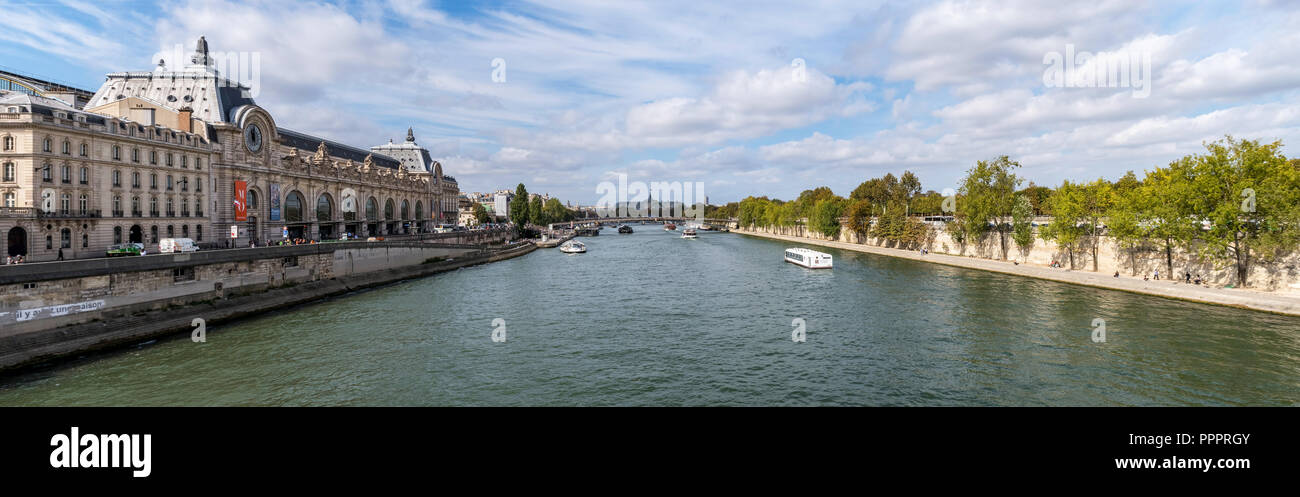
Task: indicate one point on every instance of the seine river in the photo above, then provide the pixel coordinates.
(653, 319)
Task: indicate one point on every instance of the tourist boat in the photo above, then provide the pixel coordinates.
(808, 258)
(670, 227)
(573, 247)
(624, 229)
(689, 233)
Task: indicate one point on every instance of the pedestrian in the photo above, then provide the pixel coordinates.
(1188, 277)
(60, 254)
(1157, 275)
(1116, 274)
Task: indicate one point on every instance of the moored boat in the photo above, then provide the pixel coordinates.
(625, 229)
(808, 258)
(573, 247)
(670, 227)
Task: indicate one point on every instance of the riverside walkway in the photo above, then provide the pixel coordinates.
(1280, 303)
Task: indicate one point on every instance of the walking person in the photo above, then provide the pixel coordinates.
(60, 254)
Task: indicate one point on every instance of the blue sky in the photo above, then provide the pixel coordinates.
(712, 91)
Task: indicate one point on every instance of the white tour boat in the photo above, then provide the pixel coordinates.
(689, 233)
(573, 247)
(808, 258)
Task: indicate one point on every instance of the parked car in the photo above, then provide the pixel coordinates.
(171, 245)
(125, 249)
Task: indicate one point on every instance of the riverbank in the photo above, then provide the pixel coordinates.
(1231, 297)
(132, 325)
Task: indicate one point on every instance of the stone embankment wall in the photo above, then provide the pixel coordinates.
(42, 317)
(1281, 276)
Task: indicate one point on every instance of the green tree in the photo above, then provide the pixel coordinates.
(988, 195)
(859, 214)
(1250, 197)
(481, 214)
(825, 217)
(536, 215)
(519, 208)
(1066, 228)
(1022, 227)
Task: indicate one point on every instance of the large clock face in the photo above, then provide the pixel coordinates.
(253, 138)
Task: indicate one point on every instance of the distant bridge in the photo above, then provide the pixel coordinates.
(714, 222)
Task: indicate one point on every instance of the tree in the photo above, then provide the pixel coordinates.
(825, 217)
(519, 208)
(481, 215)
(859, 214)
(1066, 227)
(536, 215)
(1022, 227)
(987, 199)
(1249, 196)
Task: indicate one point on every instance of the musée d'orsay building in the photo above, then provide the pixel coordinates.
(187, 154)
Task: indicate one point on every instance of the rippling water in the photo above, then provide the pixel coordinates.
(652, 319)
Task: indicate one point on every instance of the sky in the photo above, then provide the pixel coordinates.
(745, 98)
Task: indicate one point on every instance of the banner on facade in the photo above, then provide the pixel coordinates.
(241, 201)
(275, 201)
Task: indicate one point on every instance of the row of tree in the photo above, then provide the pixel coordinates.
(525, 211)
(1234, 205)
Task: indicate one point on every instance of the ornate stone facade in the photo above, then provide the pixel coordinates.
(139, 163)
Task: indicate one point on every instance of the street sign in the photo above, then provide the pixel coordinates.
(234, 232)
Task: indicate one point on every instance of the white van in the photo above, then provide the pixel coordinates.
(170, 245)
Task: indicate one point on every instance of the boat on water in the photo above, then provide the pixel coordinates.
(670, 227)
(689, 233)
(573, 247)
(808, 258)
(624, 229)
(588, 231)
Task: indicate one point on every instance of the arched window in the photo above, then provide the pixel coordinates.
(198, 206)
(82, 203)
(47, 173)
(406, 209)
(153, 181)
(198, 185)
(117, 206)
(85, 240)
(293, 207)
(67, 147)
(252, 195)
(324, 207)
(117, 178)
(388, 209)
(117, 152)
(135, 206)
(185, 231)
(135, 155)
(198, 233)
(85, 150)
(117, 235)
(65, 238)
(372, 209)
(9, 171)
(65, 203)
(85, 175)
(9, 143)
(67, 173)
(171, 211)
(153, 156)
(153, 234)
(419, 210)
(135, 179)
(171, 231)
(153, 206)
(48, 146)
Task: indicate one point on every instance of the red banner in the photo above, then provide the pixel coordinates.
(241, 201)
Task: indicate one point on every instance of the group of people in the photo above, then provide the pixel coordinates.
(15, 259)
(296, 241)
(1187, 277)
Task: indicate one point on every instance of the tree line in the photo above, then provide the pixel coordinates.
(525, 211)
(1234, 205)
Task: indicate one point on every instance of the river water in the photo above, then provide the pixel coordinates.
(653, 319)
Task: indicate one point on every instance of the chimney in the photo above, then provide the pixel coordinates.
(185, 119)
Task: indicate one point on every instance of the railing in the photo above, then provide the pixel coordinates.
(117, 213)
(18, 212)
(68, 214)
